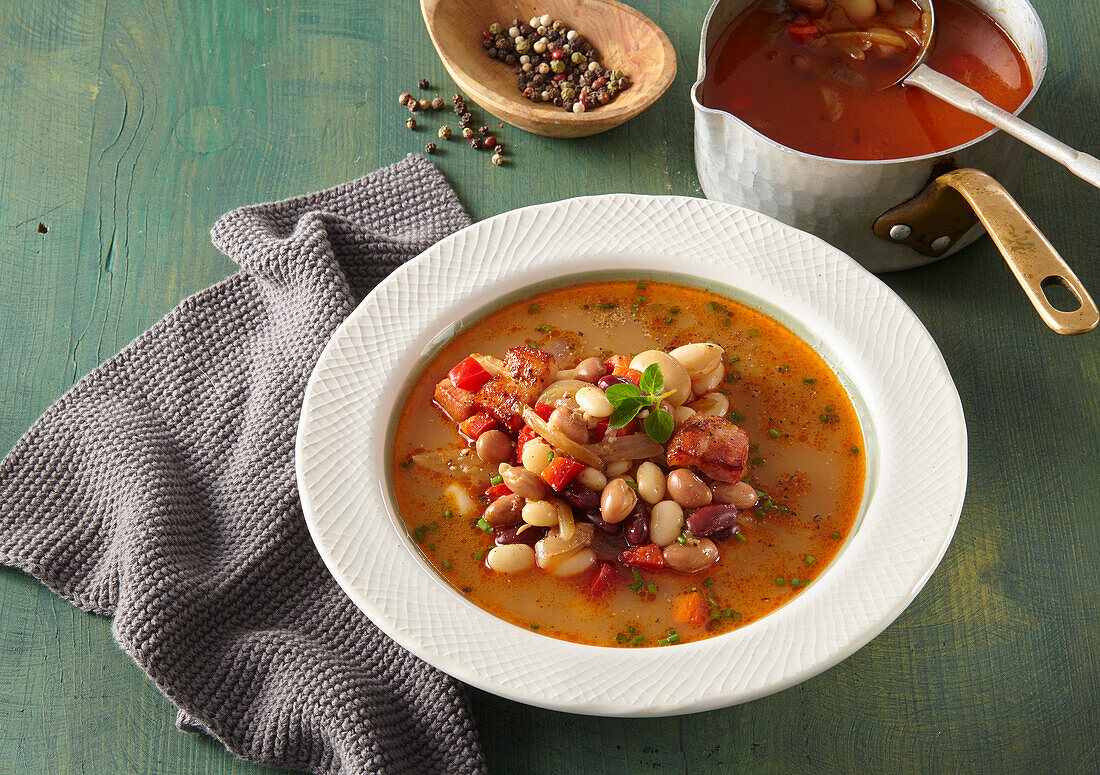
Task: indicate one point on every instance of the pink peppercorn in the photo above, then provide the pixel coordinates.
(486, 34)
(490, 142)
(560, 77)
(556, 54)
(601, 81)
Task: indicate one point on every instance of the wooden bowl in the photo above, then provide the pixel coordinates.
(626, 39)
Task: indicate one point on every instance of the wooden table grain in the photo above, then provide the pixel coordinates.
(128, 127)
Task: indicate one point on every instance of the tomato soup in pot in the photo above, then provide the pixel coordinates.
(809, 75)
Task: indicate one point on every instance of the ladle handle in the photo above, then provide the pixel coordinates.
(949, 90)
(1028, 253)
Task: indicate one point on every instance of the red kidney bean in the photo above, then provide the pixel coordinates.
(611, 379)
(713, 519)
(636, 525)
(594, 516)
(580, 497)
(726, 533)
(511, 535)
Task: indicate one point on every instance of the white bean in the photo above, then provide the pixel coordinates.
(536, 456)
(511, 558)
(593, 401)
(617, 468)
(666, 520)
(681, 415)
(676, 379)
(698, 358)
(705, 383)
(575, 564)
(592, 478)
(859, 10)
(651, 482)
(710, 405)
(540, 513)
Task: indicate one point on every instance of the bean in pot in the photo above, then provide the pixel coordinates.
(698, 358)
(504, 511)
(580, 497)
(596, 519)
(691, 557)
(740, 494)
(687, 489)
(611, 379)
(617, 501)
(636, 526)
(592, 478)
(516, 534)
(590, 370)
(594, 402)
(522, 482)
(512, 558)
(666, 520)
(569, 422)
(540, 513)
(714, 520)
(494, 447)
(617, 468)
(651, 482)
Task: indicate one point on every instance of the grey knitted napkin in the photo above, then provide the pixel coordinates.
(160, 490)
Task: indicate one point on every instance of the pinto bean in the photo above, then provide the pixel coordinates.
(691, 558)
(713, 520)
(617, 501)
(569, 422)
(666, 520)
(742, 494)
(522, 482)
(590, 370)
(687, 489)
(494, 447)
(651, 482)
(504, 511)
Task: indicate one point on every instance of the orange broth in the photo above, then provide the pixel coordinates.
(813, 472)
(800, 97)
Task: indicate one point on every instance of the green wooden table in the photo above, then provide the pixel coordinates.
(127, 127)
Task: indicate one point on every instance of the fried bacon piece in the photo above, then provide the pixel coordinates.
(456, 402)
(533, 370)
(713, 445)
(499, 398)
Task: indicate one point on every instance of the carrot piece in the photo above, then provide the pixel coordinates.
(690, 608)
(648, 557)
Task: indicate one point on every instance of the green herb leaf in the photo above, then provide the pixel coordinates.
(659, 425)
(652, 381)
(624, 413)
(622, 391)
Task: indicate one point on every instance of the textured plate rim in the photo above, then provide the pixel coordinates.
(347, 510)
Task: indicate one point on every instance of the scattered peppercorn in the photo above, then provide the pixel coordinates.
(467, 132)
(444, 133)
(483, 130)
(410, 122)
(404, 98)
(476, 143)
(490, 142)
(412, 104)
(498, 159)
(437, 103)
(425, 104)
(429, 148)
(423, 83)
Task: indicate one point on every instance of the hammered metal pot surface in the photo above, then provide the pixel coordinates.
(839, 199)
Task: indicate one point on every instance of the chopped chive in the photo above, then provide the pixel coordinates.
(620, 638)
(550, 457)
(637, 639)
(448, 514)
(640, 286)
(534, 626)
(533, 308)
(662, 641)
(530, 346)
(809, 380)
(496, 479)
(479, 555)
(668, 320)
(727, 614)
(447, 565)
(631, 484)
(753, 332)
(605, 305)
(795, 582)
(734, 360)
(830, 409)
(636, 586)
(810, 559)
(784, 369)
(773, 433)
(682, 540)
(673, 638)
(630, 629)
(674, 310)
(484, 525)
(834, 535)
(735, 417)
(711, 341)
(640, 300)
(652, 588)
(637, 574)
(544, 329)
(726, 322)
(855, 450)
(758, 461)
(740, 538)
(779, 581)
(824, 418)
(709, 582)
(712, 601)
(431, 547)
(713, 306)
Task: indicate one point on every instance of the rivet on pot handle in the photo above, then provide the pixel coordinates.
(946, 209)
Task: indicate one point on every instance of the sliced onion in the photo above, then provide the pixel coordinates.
(560, 440)
(563, 388)
(553, 550)
(451, 461)
(494, 366)
(566, 525)
(636, 446)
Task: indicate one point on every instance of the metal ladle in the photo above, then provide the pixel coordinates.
(951, 91)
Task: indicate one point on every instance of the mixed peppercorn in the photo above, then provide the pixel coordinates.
(479, 140)
(554, 63)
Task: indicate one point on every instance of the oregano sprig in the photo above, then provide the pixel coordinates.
(629, 399)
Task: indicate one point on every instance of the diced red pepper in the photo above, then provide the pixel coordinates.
(601, 429)
(617, 364)
(544, 411)
(648, 557)
(526, 434)
(561, 471)
(603, 578)
(469, 375)
(802, 30)
(498, 491)
(633, 375)
(476, 425)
